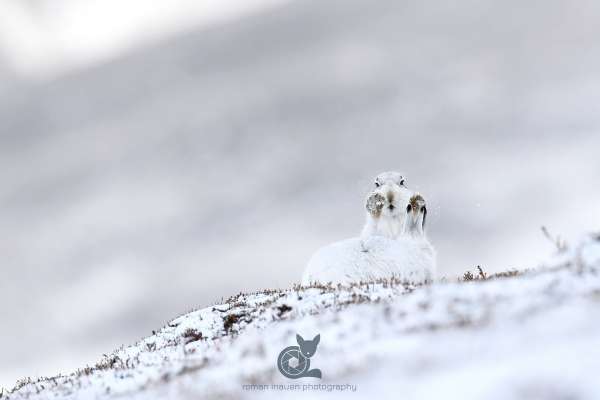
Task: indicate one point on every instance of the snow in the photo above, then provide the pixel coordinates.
(532, 335)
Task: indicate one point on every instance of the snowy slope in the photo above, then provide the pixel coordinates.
(520, 336)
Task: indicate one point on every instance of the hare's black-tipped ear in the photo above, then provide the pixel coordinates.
(299, 339)
(316, 339)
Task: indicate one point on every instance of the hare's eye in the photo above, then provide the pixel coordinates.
(408, 208)
(377, 184)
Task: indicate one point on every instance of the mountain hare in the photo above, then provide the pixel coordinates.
(392, 244)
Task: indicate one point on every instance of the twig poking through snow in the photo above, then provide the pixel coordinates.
(561, 245)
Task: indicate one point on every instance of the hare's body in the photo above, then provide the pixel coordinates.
(354, 260)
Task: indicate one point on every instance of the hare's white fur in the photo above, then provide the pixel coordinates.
(389, 222)
(355, 260)
(380, 252)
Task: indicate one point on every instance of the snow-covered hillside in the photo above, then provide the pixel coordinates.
(534, 334)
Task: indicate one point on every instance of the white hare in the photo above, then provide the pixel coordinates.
(384, 250)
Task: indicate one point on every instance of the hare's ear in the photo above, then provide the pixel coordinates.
(316, 339)
(299, 339)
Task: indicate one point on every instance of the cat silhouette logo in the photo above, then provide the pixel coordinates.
(294, 361)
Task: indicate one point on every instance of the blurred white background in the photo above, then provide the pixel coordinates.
(49, 37)
(157, 157)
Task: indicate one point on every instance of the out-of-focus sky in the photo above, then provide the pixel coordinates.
(157, 158)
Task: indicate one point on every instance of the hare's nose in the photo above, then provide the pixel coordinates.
(390, 196)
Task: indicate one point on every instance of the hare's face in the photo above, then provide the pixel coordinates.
(389, 195)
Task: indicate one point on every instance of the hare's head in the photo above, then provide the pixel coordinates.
(308, 348)
(389, 196)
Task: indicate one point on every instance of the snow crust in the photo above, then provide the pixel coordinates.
(528, 336)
